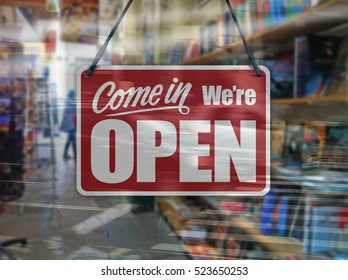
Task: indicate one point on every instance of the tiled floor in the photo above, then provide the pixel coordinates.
(59, 223)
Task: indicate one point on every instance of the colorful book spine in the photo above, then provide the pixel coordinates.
(267, 13)
(282, 13)
(268, 209)
(192, 50)
(227, 28)
(283, 219)
(273, 13)
(253, 16)
(242, 10)
(301, 56)
(260, 14)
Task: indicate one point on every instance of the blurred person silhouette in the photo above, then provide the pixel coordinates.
(68, 124)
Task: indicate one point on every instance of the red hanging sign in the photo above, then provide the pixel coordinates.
(164, 130)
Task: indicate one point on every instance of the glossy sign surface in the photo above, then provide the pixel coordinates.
(173, 130)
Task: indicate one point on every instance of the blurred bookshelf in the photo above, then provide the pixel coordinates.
(324, 16)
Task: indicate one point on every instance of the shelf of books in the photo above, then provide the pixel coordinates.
(265, 22)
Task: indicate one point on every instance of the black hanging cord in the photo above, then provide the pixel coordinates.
(245, 43)
(102, 50)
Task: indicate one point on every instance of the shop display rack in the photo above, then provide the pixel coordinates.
(13, 81)
(40, 130)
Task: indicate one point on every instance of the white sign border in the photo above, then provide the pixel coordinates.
(175, 193)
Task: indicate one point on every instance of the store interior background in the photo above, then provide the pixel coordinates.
(304, 216)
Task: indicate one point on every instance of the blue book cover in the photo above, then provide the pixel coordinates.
(315, 57)
(282, 11)
(273, 12)
(268, 209)
(282, 75)
(283, 216)
(5, 105)
(5, 123)
(300, 59)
